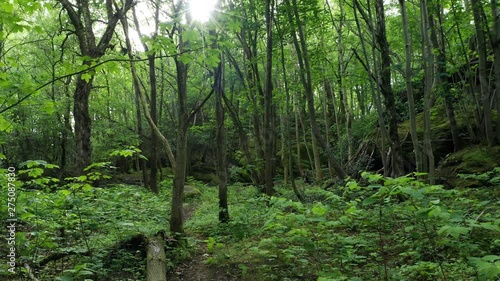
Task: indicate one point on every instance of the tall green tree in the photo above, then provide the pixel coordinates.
(82, 18)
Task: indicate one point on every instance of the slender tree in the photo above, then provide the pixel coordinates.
(397, 168)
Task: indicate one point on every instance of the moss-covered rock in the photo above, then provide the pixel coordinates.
(191, 192)
(471, 160)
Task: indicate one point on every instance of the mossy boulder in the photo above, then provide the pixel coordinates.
(471, 160)
(191, 192)
(442, 142)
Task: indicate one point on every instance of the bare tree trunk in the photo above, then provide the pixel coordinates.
(386, 88)
(153, 158)
(268, 100)
(166, 144)
(442, 86)
(374, 81)
(483, 79)
(428, 72)
(496, 50)
(306, 79)
(409, 89)
(297, 140)
(220, 135)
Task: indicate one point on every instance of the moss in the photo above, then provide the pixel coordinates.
(191, 192)
(472, 160)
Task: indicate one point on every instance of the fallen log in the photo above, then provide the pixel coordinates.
(156, 259)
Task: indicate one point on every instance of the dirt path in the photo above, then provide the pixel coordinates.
(195, 269)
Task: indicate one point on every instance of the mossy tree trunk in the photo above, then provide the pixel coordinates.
(156, 259)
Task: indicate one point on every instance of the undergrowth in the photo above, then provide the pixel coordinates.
(379, 229)
(386, 229)
(76, 231)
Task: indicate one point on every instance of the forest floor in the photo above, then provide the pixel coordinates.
(196, 268)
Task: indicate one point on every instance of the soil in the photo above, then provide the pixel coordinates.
(195, 269)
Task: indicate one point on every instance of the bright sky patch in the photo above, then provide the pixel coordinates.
(200, 10)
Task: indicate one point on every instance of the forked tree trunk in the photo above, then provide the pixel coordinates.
(82, 21)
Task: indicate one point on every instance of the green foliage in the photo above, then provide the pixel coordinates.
(82, 224)
(490, 178)
(399, 227)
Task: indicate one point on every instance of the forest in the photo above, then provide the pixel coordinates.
(250, 140)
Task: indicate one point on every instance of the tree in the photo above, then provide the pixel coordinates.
(80, 17)
(269, 130)
(397, 168)
(409, 88)
(483, 80)
(300, 44)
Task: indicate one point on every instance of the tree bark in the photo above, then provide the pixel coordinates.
(386, 88)
(428, 89)
(441, 84)
(82, 22)
(306, 79)
(496, 51)
(156, 260)
(220, 134)
(409, 89)
(483, 79)
(269, 142)
(153, 150)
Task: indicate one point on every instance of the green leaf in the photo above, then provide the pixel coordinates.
(454, 231)
(190, 35)
(234, 26)
(185, 58)
(5, 125)
(489, 226)
(319, 209)
(370, 200)
(87, 76)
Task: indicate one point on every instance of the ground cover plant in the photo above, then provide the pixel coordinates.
(373, 229)
(383, 229)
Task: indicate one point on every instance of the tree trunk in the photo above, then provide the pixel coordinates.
(409, 89)
(496, 51)
(269, 133)
(386, 88)
(306, 79)
(428, 74)
(83, 24)
(83, 152)
(483, 79)
(220, 135)
(156, 260)
(442, 86)
(374, 81)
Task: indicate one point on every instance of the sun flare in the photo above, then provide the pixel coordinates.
(200, 10)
